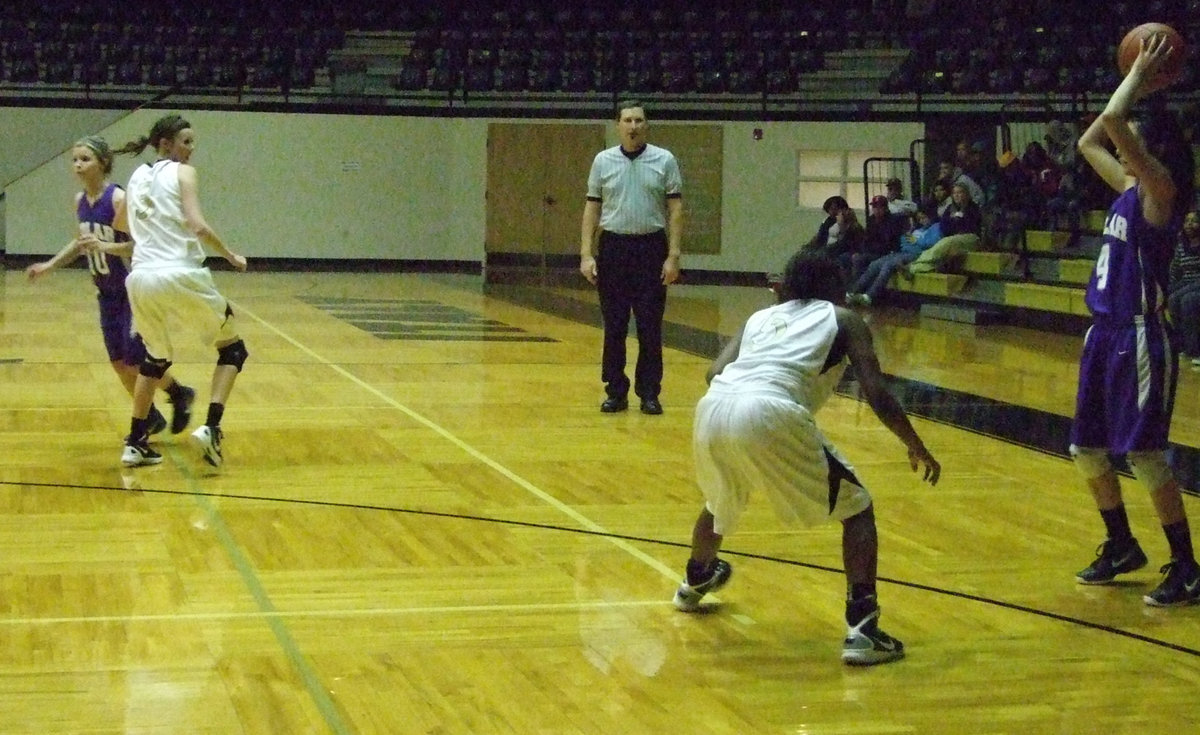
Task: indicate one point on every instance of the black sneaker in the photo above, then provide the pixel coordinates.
(866, 644)
(139, 453)
(1113, 558)
(181, 409)
(155, 421)
(1180, 585)
(688, 596)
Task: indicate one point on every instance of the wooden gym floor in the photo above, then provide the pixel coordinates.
(424, 525)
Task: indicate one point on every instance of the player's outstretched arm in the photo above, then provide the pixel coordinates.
(70, 251)
(861, 351)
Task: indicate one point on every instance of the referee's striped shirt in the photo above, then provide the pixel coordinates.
(633, 188)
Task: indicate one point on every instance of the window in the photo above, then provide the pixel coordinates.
(822, 174)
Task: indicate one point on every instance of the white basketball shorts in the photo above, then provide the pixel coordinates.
(743, 442)
(170, 300)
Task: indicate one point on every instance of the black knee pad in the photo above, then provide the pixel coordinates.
(233, 354)
(153, 367)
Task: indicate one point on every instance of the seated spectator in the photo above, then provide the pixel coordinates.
(939, 197)
(961, 228)
(1064, 207)
(883, 233)
(869, 286)
(981, 167)
(897, 204)
(1060, 144)
(947, 171)
(1017, 205)
(848, 246)
(1183, 290)
(827, 233)
(955, 175)
(1044, 171)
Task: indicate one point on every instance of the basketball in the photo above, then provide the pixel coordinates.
(1132, 44)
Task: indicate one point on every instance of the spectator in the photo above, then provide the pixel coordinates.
(827, 233)
(883, 231)
(1017, 202)
(1060, 144)
(1044, 172)
(961, 227)
(874, 279)
(897, 204)
(939, 197)
(955, 175)
(849, 245)
(1064, 207)
(1183, 292)
(983, 170)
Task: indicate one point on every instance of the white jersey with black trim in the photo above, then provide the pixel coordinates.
(161, 237)
(783, 352)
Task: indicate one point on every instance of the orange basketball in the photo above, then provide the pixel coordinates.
(1132, 43)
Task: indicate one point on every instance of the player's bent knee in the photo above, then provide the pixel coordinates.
(154, 368)
(1150, 468)
(233, 354)
(1091, 462)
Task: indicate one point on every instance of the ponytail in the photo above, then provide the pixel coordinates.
(165, 128)
(134, 147)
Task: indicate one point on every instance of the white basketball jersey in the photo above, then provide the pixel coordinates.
(784, 349)
(161, 237)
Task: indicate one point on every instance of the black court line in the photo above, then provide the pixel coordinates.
(643, 539)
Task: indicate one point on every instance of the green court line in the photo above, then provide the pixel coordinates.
(312, 682)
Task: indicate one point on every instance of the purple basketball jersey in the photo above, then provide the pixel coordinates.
(1127, 374)
(108, 271)
(1130, 276)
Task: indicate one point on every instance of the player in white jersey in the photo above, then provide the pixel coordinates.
(169, 285)
(755, 429)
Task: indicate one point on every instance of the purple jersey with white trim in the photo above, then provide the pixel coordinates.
(108, 271)
(1131, 272)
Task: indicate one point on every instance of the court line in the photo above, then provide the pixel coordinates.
(495, 466)
(1017, 607)
(318, 692)
(339, 613)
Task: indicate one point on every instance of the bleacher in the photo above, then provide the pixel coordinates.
(787, 59)
(1041, 287)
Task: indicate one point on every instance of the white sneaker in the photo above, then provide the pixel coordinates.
(139, 454)
(866, 644)
(687, 597)
(209, 439)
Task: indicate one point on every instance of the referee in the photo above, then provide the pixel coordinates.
(634, 203)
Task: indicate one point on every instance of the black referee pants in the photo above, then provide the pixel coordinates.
(629, 280)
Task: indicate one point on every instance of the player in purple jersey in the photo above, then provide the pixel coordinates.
(107, 251)
(1127, 373)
